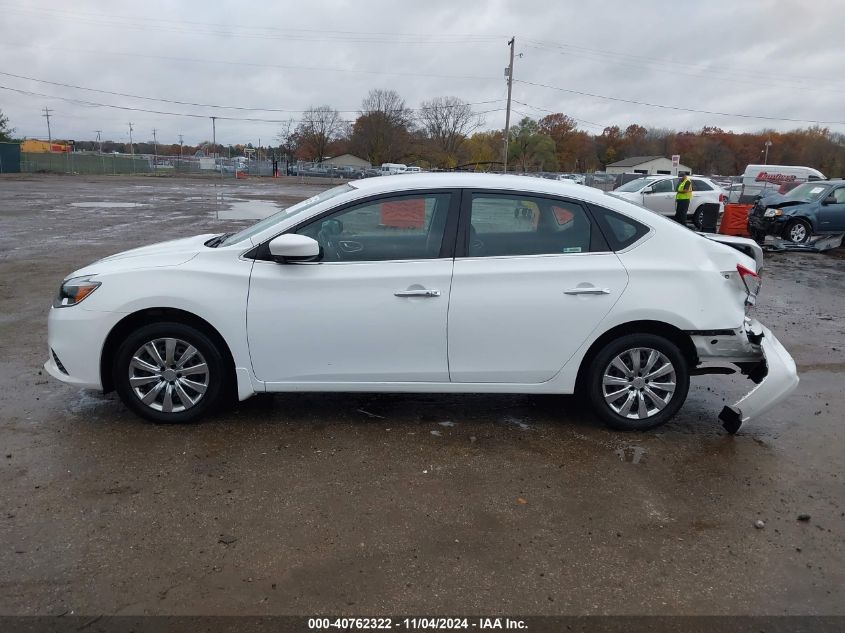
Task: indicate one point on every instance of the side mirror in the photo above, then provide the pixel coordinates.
(291, 247)
(648, 190)
(830, 200)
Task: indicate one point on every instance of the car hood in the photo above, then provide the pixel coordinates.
(170, 253)
(625, 195)
(779, 200)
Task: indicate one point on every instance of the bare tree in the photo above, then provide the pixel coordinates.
(288, 139)
(381, 132)
(446, 122)
(318, 128)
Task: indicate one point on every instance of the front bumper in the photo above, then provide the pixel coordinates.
(767, 226)
(761, 357)
(75, 336)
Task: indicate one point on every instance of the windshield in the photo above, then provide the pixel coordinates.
(285, 214)
(634, 185)
(807, 192)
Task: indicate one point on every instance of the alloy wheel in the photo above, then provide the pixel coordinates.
(168, 375)
(638, 383)
(798, 232)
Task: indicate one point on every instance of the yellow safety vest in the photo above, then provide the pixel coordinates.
(684, 190)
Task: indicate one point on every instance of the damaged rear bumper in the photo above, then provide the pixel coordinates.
(761, 357)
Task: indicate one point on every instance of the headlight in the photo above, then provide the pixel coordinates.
(74, 291)
(772, 213)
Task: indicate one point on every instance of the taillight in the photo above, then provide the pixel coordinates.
(722, 197)
(752, 283)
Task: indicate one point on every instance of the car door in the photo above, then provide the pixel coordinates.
(533, 277)
(832, 214)
(662, 196)
(372, 310)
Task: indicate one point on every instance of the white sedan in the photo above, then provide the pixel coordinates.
(426, 283)
(658, 194)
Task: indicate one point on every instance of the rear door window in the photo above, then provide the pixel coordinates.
(505, 224)
(619, 230)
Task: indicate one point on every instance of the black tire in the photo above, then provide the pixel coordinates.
(798, 231)
(601, 364)
(698, 218)
(213, 378)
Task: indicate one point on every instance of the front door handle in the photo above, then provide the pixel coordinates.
(421, 292)
(588, 290)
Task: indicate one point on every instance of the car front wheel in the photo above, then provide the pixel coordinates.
(638, 382)
(799, 231)
(169, 372)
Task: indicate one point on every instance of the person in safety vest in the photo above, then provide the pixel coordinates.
(682, 199)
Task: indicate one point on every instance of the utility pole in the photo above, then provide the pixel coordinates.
(509, 74)
(214, 134)
(49, 133)
(180, 148)
(99, 140)
(131, 147)
(155, 151)
(768, 144)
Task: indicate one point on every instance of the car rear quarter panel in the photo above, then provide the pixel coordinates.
(677, 278)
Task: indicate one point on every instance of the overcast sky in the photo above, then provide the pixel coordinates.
(766, 58)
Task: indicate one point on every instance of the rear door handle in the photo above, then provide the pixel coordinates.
(423, 292)
(587, 291)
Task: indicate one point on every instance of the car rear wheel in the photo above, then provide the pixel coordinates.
(169, 372)
(799, 231)
(638, 382)
(698, 218)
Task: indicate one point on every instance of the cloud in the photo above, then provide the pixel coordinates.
(767, 58)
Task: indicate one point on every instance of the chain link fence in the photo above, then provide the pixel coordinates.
(94, 163)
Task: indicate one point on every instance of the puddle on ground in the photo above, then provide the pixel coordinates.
(512, 421)
(631, 454)
(248, 210)
(107, 205)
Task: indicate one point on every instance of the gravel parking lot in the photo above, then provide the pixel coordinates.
(372, 504)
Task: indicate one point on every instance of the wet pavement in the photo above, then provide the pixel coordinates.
(371, 504)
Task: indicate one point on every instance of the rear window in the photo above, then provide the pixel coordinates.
(619, 230)
(701, 185)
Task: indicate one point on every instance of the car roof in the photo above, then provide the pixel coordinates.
(445, 180)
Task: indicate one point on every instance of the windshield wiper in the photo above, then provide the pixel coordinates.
(214, 242)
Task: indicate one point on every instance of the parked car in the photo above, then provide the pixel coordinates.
(359, 287)
(390, 169)
(813, 208)
(658, 194)
(576, 178)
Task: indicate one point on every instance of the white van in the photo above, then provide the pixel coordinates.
(388, 169)
(411, 169)
(761, 180)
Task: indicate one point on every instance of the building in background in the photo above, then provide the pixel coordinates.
(33, 146)
(645, 165)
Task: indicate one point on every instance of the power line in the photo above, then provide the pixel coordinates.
(206, 29)
(187, 103)
(584, 121)
(642, 60)
(224, 62)
(183, 114)
(679, 108)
